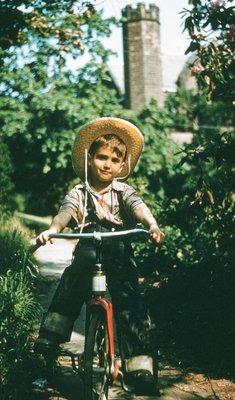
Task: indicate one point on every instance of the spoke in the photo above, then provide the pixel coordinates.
(100, 379)
(97, 379)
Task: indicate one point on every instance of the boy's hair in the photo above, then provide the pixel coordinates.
(112, 141)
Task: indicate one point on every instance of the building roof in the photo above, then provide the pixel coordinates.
(172, 65)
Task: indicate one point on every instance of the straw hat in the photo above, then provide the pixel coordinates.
(129, 133)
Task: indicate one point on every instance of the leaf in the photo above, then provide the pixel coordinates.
(210, 196)
(207, 79)
(192, 47)
(182, 161)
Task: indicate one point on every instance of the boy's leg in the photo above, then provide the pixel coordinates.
(134, 326)
(72, 291)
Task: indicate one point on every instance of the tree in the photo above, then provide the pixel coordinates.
(43, 103)
(6, 171)
(190, 193)
(61, 21)
(210, 25)
(41, 128)
(193, 271)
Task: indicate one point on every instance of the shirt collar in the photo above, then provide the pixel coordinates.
(115, 185)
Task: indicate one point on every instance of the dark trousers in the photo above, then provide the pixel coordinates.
(133, 323)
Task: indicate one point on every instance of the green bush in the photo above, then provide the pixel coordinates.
(6, 184)
(18, 312)
(14, 247)
(189, 284)
(18, 308)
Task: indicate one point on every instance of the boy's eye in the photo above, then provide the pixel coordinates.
(115, 160)
(101, 157)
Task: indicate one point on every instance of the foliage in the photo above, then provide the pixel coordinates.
(6, 184)
(210, 25)
(159, 158)
(211, 151)
(18, 308)
(59, 21)
(190, 192)
(192, 289)
(191, 111)
(18, 312)
(42, 104)
(43, 138)
(14, 248)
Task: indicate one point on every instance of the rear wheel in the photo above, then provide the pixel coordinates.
(96, 359)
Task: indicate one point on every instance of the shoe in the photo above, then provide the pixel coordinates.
(49, 351)
(45, 347)
(143, 383)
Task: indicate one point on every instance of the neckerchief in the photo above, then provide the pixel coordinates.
(100, 208)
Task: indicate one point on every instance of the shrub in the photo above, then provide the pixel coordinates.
(18, 308)
(14, 247)
(6, 184)
(18, 311)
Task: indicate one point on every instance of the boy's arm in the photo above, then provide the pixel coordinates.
(59, 222)
(143, 214)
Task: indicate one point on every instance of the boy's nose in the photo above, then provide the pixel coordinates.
(107, 164)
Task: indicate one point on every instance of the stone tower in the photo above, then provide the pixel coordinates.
(142, 60)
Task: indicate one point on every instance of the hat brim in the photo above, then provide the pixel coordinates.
(125, 130)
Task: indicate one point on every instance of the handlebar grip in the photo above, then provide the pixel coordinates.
(35, 247)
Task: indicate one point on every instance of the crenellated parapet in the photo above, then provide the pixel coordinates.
(141, 12)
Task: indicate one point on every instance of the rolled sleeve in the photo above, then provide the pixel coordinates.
(73, 203)
(131, 199)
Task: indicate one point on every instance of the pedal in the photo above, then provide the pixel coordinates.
(124, 386)
(117, 365)
(118, 374)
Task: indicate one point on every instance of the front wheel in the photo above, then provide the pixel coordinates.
(96, 358)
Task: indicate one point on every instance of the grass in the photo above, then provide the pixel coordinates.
(19, 311)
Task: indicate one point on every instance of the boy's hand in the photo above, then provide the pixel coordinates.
(45, 236)
(156, 235)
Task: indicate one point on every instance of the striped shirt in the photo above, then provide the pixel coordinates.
(105, 205)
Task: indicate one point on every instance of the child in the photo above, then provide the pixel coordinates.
(105, 151)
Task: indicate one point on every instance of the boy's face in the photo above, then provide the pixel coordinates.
(105, 165)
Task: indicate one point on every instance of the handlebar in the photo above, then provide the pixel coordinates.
(97, 236)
